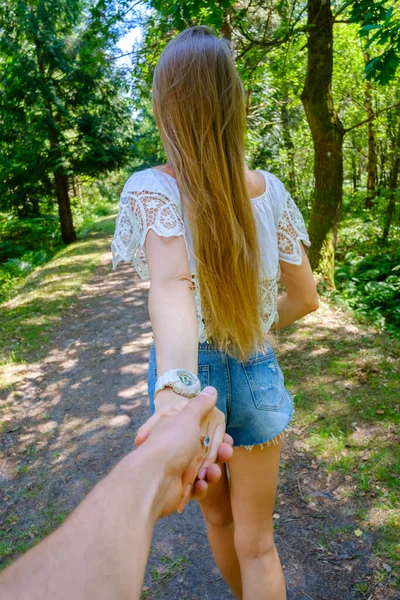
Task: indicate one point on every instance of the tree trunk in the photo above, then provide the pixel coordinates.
(394, 175)
(327, 133)
(288, 143)
(371, 180)
(248, 101)
(382, 170)
(76, 187)
(354, 170)
(226, 29)
(68, 233)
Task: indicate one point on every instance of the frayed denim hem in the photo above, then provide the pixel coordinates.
(275, 440)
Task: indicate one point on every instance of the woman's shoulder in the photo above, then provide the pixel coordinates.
(139, 178)
(273, 184)
(274, 197)
(152, 181)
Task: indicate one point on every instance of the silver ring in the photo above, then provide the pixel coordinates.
(205, 441)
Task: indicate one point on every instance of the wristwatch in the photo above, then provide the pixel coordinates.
(181, 381)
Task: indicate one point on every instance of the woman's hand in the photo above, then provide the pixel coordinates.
(203, 469)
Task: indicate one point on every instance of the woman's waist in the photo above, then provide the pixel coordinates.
(210, 347)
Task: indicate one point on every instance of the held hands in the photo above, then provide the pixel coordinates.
(188, 465)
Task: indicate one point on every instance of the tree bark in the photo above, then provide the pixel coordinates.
(68, 233)
(371, 179)
(354, 170)
(77, 187)
(288, 143)
(226, 29)
(327, 133)
(394, 175)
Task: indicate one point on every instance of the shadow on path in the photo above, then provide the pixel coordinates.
(74, 414)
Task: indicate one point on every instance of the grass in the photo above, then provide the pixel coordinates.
(15, 539)
(28, 318)
(347, 402)
(34, 308)
(30, 242)
(346, 387)
(169, 568)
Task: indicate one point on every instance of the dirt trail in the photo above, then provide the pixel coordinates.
(74, 414)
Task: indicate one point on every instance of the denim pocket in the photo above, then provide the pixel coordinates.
(203, 373)
(265, 380)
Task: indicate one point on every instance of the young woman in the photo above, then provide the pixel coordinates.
(214, 238)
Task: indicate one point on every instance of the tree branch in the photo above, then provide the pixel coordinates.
(345, 5)
(265, 44)
(131, 8)
(374, 116)
(122, 55)
(273, 43)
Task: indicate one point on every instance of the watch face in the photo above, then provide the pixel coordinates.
(186, 378)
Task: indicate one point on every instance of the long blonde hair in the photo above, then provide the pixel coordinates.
(199, 107)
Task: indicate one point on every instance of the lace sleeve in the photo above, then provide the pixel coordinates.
(140, 211)
(290, 230)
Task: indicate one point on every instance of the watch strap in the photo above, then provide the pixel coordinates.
(172, 379)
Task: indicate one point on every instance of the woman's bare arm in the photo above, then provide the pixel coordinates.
(173, 317)
(172, 307)
(301, 295)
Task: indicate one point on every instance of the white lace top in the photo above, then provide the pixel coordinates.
(150, 200)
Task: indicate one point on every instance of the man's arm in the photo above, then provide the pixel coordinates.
(101, 551)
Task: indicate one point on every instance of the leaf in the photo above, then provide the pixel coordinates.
(371, 26)
(389, 14)
(358, 532)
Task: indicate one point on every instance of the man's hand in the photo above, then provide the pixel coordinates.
(175, 442)
(167, 403)
(91, 555)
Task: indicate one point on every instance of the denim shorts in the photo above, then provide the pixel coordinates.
(251, 394)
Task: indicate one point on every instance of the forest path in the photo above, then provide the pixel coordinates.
(68, 418)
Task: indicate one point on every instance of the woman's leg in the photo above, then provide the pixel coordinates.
(253, 482)
(217, 513)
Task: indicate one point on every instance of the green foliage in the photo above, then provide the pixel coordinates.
(371, 286)
(63, 99)
(25, 244)
(271, 58)
(78, 87)
(367, 272)
(185, 14)
(40, 302)
(379, 22)
(31, 242)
